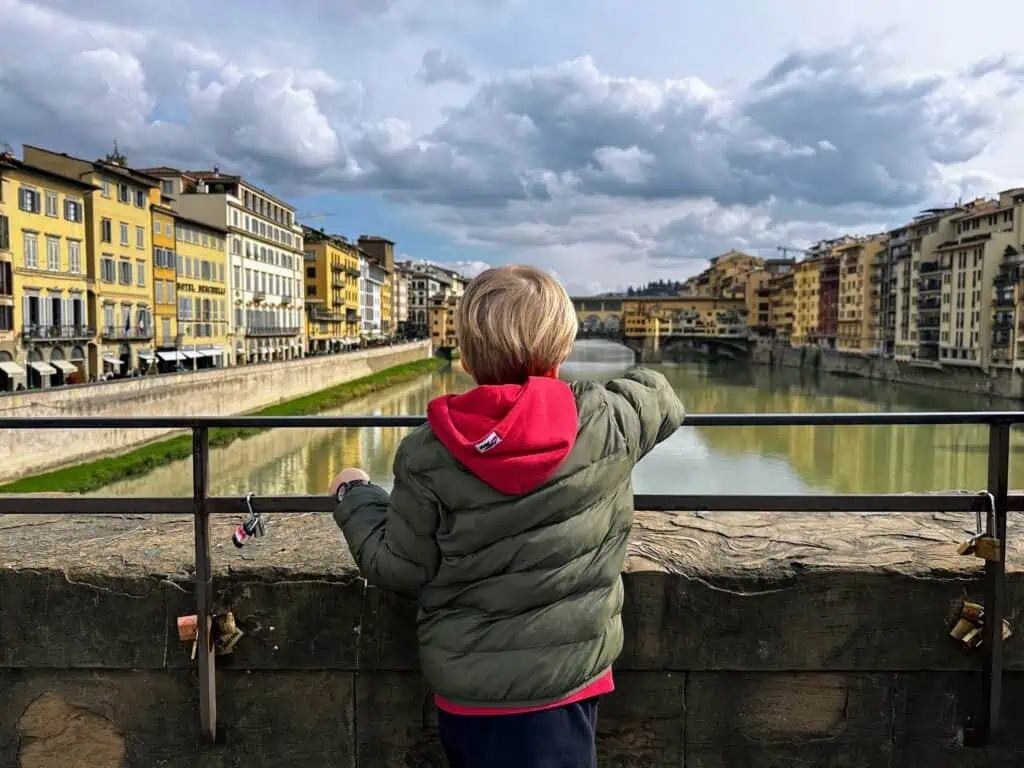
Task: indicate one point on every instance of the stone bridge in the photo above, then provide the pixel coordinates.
(751, 640)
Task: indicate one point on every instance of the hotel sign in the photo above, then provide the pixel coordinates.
(190, 288)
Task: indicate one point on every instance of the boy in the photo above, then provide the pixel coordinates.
(508, 524)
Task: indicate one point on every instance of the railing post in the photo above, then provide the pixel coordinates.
(204, 582)
(995, 577)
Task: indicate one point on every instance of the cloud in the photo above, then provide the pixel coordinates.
(603, 178)
(441, 67)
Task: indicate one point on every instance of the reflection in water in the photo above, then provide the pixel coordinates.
(695, 460)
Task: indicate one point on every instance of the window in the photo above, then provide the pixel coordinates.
(311, 290)
(205, 270)
(165, 328)
(156, 226)
(74, 257)
(106, 187)
(140, 273)
(170, 292)
(124, 194)
(72, 211)
(220, 273)
(31, 250)
(108, 272)
(167, 186)
(28, 200)
(125, 277)
(124, 233)
(51, 204)
(140, 237)
(206, 240)
(106, 231)
(234, 218)
(5, 234)
(140, 198)
(158, 290)
(53, 254)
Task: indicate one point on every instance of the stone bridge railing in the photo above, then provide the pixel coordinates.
(761, 630)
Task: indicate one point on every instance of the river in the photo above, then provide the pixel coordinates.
(883, 459)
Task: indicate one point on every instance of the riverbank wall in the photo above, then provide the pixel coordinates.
(750, 640)
(997, 382)
(216, 392)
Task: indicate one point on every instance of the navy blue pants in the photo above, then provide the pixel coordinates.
(562, 737)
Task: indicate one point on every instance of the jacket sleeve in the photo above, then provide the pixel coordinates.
(393, 538)
(646, 408)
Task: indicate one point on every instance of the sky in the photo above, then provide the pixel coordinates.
(610, 143)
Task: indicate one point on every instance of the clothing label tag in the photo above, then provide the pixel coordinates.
(493, 440)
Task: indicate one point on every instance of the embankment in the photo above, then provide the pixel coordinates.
(997, 382)
(751, 640)
(220, 392)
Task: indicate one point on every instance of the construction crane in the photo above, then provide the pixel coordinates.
(785, 251)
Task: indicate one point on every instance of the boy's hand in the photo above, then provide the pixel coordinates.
(347, 476)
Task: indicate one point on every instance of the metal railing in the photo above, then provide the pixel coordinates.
(995, 500)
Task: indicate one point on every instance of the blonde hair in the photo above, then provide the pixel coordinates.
(514, 322)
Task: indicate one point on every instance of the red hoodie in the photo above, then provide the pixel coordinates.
(513, 437)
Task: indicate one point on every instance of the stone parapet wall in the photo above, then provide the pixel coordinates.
(751, 640)
(996, 382)
(216, 392)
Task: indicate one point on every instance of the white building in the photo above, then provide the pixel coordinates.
(371, 284)
(265, 256)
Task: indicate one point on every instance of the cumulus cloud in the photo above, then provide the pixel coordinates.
(441, 67)
(565, 165)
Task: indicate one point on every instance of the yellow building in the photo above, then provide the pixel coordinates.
(806, 297)
(381, 251)
(10, 371)
(442, 321)
(331, 291)
(118, 222)
(783, 305)
(859, 299)
(165, 294)
(45, 324)
(202, 293)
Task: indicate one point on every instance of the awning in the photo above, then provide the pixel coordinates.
(211, 353)
(192, 355)
(44, 369)
(145, 354)
(65, 366)
(111, 360)
(171, 356)
(11, 369)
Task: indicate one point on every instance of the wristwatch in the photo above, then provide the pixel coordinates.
(346, 487)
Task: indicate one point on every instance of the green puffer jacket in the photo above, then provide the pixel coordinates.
(508, 524)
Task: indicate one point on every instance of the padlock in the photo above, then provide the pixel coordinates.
(969, 546)
(981, 544)
(226, 633)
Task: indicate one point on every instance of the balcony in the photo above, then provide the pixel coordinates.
(929, 266)
(286, 300)
(272, 330)
(36, 332)
(1005, 300)
(1001, 337)
(929, 285)
(136, 333)
(352, 271)
(929, 302)
(337, 282)
(259, 295)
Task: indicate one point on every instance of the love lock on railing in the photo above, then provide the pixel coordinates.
(969, 629)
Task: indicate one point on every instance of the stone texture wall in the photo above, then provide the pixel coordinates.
(219, 392)
(998, 382)
(751, 640)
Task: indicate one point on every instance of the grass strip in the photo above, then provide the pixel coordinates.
(92, 475)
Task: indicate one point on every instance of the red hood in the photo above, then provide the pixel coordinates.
(511, 436)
